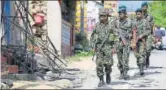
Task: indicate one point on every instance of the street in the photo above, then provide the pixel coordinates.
(154, 76)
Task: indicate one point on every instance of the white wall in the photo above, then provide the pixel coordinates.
(54, 21)
(0, 22)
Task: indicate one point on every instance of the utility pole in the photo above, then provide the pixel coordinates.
(82, 16)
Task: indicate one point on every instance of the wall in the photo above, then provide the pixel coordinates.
(93, 15)
(16, 35)
(1, 24)
(54, 23)
(13, 34)
(59, 30)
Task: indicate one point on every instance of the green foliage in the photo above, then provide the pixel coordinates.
(76, 57)
(84, 54)
(158, 11)
(82, 39)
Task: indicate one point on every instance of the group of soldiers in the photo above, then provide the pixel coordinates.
(117, 33)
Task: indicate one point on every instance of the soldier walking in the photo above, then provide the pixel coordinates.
(149, 39)
(102, 42)
(142, 31)
(123, 26)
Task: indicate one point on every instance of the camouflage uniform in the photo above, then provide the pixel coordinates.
(124, 50)
(124, 26)
(144, 30)
(105, 55)
(149, 39)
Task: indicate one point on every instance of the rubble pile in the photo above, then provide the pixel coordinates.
(47, 58)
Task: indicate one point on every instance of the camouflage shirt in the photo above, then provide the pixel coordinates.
(100, 32)
(149, 18)
(142, 26)
(124, 26)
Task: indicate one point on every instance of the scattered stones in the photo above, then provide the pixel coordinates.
(64, 83)
(4, 86)
(26, 77)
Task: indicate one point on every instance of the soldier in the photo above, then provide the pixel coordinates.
(102, 42)
(143, 30)
(123, 43)
(149, 40)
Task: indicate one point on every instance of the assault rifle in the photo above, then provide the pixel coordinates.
(121, 37)
(136, 39)
(120, 34)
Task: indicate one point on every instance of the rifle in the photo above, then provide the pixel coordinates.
(98, 50)
(119, 33)
(134, 36)
(95, 50)
(122, 37)
(136, 39)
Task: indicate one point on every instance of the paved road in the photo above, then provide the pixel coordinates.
(154, 78)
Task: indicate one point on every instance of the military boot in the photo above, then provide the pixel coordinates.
(125, 76)
(147, 62)
(141, 68)
(121, 74)
(101, 83)
(108, 78)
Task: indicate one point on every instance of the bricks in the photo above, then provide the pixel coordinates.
(3, 60)
(13, 68)
(9, 58)
(7, 68)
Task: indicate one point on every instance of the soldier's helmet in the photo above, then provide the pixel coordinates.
(104, 11)
(122, 7)
(144, 4)
(138, 10)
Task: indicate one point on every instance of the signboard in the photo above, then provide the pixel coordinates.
(66, 38)
(66, 33)
(113, 5)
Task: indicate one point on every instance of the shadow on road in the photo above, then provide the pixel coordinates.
(137, 75)
(103, 87)
(108, 86)
(151, 67)
(118, 82)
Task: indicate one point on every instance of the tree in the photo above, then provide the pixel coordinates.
(81, 38)
(158, 11)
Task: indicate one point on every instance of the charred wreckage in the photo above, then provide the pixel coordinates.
(17, 37)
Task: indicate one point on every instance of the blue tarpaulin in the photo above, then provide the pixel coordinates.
(6, 22)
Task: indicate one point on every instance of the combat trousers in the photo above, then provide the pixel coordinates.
(149, 43)
(123, 52)
(104, 60)
(140, 53)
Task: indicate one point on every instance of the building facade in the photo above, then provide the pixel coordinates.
(113, 6)
(93, 15)
(81, 16)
